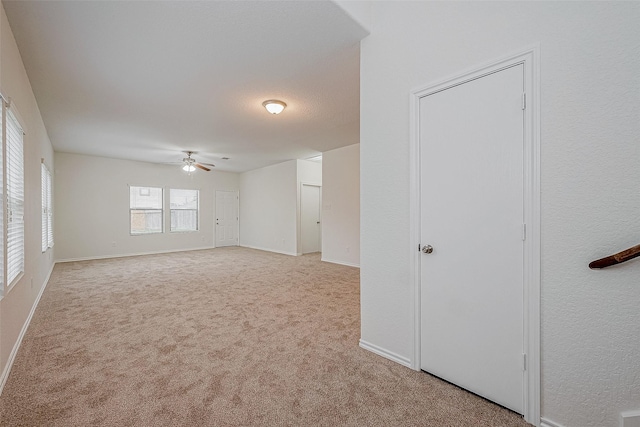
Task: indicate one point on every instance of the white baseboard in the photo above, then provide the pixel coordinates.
(269, 250)
(630, 418)
(12, 357)
(92, 258)
(385, 353)
(348, 264)
(547, 423)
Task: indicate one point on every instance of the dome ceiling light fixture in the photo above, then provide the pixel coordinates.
(274, 106)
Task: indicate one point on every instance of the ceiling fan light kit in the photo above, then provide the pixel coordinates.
(190, 164)
(274, 106)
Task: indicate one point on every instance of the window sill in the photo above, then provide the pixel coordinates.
(146, 234)
(13, 283)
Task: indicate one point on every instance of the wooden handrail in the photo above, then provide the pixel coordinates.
(614, 259)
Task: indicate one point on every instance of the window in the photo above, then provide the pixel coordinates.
(184, 209)
(15, 197)
(47, 209)
(2, 203)
(145, 208)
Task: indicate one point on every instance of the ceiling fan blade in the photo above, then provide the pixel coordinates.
(204, 168)
(208, 164)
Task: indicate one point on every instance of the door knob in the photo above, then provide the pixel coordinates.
(427, 249)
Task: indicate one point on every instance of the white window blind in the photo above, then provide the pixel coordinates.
(15, 197)
(47, 214)
(184, 209)
(2, 202)
(49, 210)
(43, 185)
(145, 210)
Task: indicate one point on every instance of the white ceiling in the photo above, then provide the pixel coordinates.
(144, 80)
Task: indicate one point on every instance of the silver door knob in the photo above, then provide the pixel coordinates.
(427, 249)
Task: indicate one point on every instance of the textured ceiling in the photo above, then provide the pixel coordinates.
(146, 80)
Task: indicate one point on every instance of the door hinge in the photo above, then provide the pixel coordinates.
(524, 361)
(524, 101)
(524, 232)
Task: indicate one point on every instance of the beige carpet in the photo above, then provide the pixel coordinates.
(222, 337)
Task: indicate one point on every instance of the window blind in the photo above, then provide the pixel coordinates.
(47, 214)
(15, 197)
(2, 202)
(45, 223)
(49, 210)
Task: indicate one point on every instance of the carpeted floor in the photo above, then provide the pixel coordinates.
(222, 337)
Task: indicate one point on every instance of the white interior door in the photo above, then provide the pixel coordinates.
(471, 213)
(310, 226)
(226, 218)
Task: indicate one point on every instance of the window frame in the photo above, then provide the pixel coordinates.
(3, 250)
(50, 241)
(13, 198)
(147, 210)
(47, 207)
(197, 211)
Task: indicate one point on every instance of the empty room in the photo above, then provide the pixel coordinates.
(331, 213)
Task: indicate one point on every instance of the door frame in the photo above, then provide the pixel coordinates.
(529, 57)
(215, 211)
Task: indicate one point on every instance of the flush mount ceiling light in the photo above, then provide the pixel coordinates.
(274, 106)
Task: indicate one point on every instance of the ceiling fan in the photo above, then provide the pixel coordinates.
(190, 163)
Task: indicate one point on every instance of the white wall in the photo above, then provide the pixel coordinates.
(590, 175)
(359, 11)
(268, 208)
(92, 206)
(341, 205)
(16, 305)
(270, 205)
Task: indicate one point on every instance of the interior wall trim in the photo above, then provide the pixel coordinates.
(12, 356)
(270, 250)
(385, 353)
(348, 264)
(93, 258)
(547, 423)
